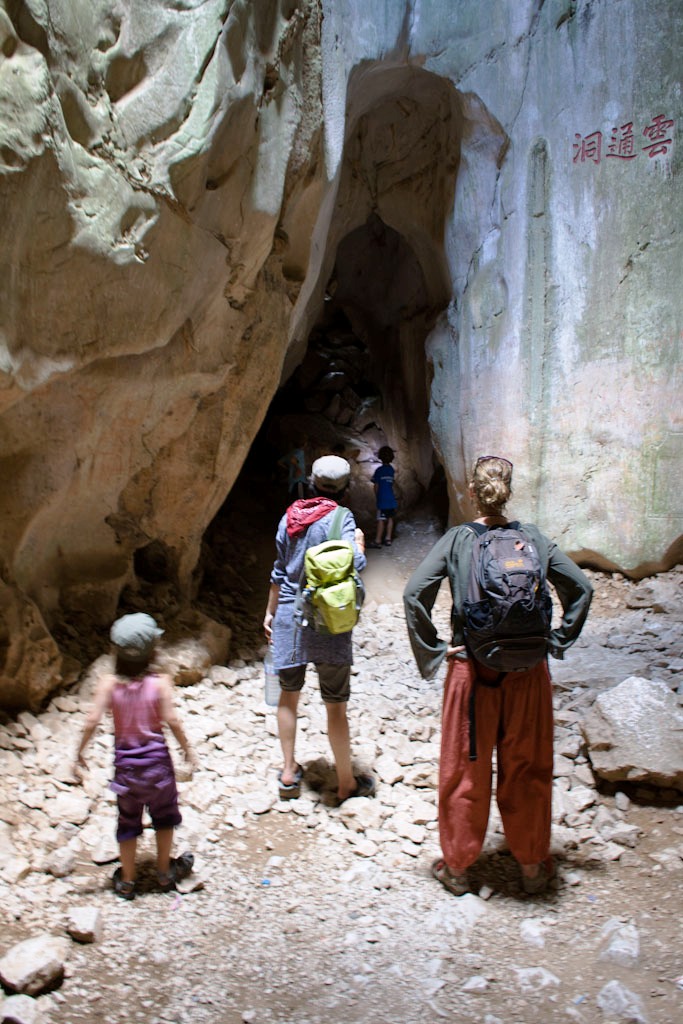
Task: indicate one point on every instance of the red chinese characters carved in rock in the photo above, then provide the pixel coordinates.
(622, 145)
(656, 132)
(588, 148)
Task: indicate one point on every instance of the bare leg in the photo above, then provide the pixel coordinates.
(127, 849)
(380, 531)
(340, 741)
(164, 837)
(286, 724)
(390, 528)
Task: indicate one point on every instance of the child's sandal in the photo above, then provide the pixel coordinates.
(126, 890)
(179, 868)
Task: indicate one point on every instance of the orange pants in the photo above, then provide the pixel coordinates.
(516, 718)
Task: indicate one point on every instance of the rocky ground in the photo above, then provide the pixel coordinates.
(303, 913)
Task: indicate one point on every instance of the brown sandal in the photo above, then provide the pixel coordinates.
(455, 883)
(539, 883)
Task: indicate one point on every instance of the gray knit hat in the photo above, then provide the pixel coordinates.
(134, 636)
(331, 473)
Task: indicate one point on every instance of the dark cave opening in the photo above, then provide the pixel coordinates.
(362, 383)
(358, 375)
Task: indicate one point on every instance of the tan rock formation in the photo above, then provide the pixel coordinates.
(144, 155)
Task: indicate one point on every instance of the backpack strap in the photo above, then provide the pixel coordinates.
(479, 529)
(334, 532)
(472, 716)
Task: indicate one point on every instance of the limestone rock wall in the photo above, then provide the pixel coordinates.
(146, 152)
(561, 342)
(177, 183)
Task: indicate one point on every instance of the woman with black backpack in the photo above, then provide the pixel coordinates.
(502, 699)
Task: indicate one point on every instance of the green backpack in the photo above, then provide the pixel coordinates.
(330, 592)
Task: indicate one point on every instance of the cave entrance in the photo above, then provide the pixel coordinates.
(357, 373)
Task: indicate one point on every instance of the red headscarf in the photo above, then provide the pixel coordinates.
(305, 511)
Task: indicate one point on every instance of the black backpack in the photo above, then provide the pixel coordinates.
(508, 610)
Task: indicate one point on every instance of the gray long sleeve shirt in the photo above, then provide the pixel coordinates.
(451, 559)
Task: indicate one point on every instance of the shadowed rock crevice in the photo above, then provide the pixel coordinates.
(27, 28)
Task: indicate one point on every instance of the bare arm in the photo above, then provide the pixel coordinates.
(273, 598)
(100, 704)
(170, 716)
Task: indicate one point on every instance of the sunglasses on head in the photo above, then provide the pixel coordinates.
(487, 458)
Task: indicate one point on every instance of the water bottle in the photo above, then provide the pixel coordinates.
(272, 681)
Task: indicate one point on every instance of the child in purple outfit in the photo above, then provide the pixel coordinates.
(141, 703)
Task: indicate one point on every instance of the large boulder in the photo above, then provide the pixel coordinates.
(633, 733)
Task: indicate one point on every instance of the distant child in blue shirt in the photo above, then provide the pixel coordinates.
(383, 479)
(295, 464)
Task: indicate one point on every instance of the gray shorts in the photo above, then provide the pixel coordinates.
(335, 681)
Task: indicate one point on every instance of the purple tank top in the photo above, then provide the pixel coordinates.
(136, 709)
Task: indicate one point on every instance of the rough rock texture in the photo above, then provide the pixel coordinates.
(144, 155)
(34, 965)
(182, 184)
(633, 733)
(21, 1010)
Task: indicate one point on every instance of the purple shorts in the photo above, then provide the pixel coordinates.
(144, 779)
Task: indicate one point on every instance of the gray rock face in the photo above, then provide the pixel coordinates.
(633, 732)
(182, 185)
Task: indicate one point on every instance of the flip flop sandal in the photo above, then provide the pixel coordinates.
(179, 868)
(365, 786)
(126, 890)
(455, 883)
(292, 790)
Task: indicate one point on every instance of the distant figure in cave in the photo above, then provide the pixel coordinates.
(383, 480)
(295, 464)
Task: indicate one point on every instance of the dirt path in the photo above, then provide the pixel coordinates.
(311, 914)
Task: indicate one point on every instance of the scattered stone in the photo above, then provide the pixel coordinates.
(20, 1010)
(621, 942)
(531, 979)
(616, 1001)
(360, 870)
(61, 862)
(85, 924)
(476, 983)
(33, 966)
(13, 867)
(106, 851)
(531, 931)
(620, 832)
(69, 807)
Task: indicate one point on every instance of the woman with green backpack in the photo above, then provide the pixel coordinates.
(497, 691)
(298, 639)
